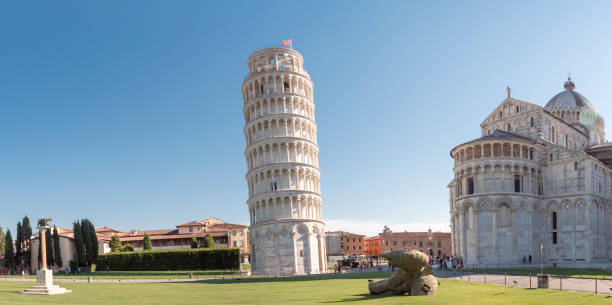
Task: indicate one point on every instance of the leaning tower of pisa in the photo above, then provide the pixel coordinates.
(287, 233)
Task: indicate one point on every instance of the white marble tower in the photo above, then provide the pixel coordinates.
(287, 233)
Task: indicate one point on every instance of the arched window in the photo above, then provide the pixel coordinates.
(554, 227)
(509, 127)
(517, 109)
(552, 134)
(532, 122)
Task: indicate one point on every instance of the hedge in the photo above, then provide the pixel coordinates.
(189, 259)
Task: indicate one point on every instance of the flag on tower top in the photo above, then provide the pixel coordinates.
(286, 42)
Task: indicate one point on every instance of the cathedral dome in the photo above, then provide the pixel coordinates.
(569, 99)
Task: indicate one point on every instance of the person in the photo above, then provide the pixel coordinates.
(530, 258)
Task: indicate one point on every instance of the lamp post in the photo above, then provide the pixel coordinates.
(44, 276)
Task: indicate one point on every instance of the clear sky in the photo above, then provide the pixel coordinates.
(130, 113)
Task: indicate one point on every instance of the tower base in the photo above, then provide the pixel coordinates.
(44, 284)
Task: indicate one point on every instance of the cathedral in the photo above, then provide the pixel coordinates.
(538, 178)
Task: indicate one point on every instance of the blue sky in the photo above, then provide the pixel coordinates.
(129, 112)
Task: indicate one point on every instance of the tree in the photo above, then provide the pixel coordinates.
(209, 242)
(9, 254)
(90, 240)
(94, 242)
(115, 243)
(146, 243)
(386, 230)
(57, 252)
(18, 245)
(49, 246)
(26, 235)
(2, 246)
(194, 243)
(78, 243)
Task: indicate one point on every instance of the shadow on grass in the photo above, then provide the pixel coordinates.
(360, 297)
(347, 276)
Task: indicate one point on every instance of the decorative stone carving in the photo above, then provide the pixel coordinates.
(414, 277)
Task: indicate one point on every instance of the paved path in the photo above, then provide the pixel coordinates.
(590, 285)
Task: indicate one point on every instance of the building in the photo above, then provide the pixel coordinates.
(225, 235)
(430, 243)
(340, 243)
(373, 246)
(287, 231)
(67, 248)
(537, 175)
(334, 245)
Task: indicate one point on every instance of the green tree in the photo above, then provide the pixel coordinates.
(9, 254)
(18, 246)
(49, 246)
(194, 243)
(127, 248)
(94, 242)
(90, 240)
(26, 235)
(2, 246)
(386, 230)
(78, 243)
(209, 242)
(57, 252)
(115, 243)
(146, 243)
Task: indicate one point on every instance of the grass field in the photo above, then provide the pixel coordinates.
(568, 272)
(301, 290)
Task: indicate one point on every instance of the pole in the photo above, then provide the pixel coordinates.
(561, 282)
(504, 279)
(529, 280)
(43, 247)
(595, 285)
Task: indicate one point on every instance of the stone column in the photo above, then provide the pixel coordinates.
(494, 234)
(43, 247)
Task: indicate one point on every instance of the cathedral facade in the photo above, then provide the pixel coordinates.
(537, 177)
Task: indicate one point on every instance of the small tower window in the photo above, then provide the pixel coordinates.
(551, 157)
(554, 220)
(517, 183)
(532, 122)
(471, 185)
(554, 238)
(509, 127)
(500, 114)
(517, 109)
(575, 166)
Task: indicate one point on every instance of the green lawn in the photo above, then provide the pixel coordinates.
(302, 290)
(568, 272)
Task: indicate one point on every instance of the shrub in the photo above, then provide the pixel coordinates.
(190, 259)
(74, 266)
(127, 248)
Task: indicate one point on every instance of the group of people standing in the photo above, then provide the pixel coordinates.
(452, 262)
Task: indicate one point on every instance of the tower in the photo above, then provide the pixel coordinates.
(287, 233)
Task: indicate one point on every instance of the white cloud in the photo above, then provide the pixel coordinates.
(372, 227)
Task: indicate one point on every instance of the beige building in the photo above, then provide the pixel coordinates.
(225, 235)
(67, 248)
(537, 175)
(283, 176)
